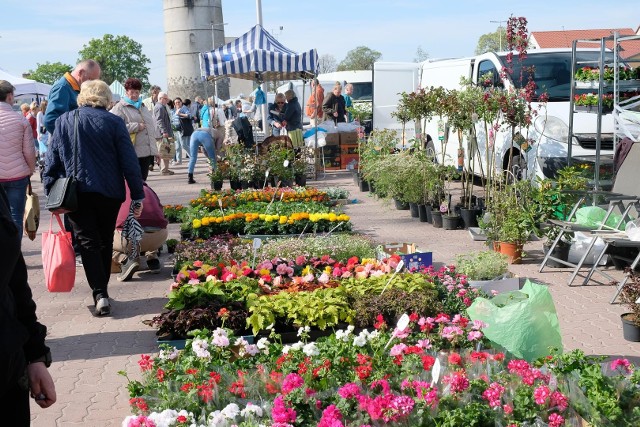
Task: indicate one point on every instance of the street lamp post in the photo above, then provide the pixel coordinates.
(499, 31)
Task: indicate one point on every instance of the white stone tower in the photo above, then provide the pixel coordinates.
(191, 27)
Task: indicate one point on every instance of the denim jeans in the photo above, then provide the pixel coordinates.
(201, 138)
(179, 146)
(17, 195)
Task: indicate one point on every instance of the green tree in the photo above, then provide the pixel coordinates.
(119, 57)
(421, 55)
(492, 42)
(49, 72)
(360, 58)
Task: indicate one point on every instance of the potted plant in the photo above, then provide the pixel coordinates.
(303, 158)
(450, 219)
(171, 245)
(487, 270)
(508, 222)
(279, 161)
(630, 297)
(218, 175)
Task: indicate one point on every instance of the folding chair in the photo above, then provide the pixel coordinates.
(623, 199)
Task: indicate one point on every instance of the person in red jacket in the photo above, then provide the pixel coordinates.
(155, 234)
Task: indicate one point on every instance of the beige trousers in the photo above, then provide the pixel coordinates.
(151, 241)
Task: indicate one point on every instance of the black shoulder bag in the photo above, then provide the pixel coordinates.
(63, 196)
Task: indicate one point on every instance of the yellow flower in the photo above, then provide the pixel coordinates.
(328, 269)
(196, 223)
(205, 221)
(306, 270)
(283, 219)
(332, 217)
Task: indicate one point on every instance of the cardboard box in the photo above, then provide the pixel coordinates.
(407, 251)
(332, 138)
(348, 138)
(349, 148)
(347, 159)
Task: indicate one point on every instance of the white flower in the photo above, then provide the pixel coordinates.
(169, 355)
(220, 338)
(297, 346)
(252, 349)
(211, 278)
(374, 335)
(199, 347)
(360, 340)
(286, 349)
(303, 329)
(263, 343)
(350, 328)
(251, 409)
(241, 342)
(217, 419)
(231, 411)
(339, 334)
(311, 349)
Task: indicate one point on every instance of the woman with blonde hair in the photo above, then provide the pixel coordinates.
(102, 160)
(276, 114)
(333, 105)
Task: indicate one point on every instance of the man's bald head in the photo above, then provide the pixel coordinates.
(86, 70)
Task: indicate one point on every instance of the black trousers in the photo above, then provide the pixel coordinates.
(94, 224)
(145, 162)
(14, 406)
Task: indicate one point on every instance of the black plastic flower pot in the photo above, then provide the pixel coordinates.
(423, 213)
(470, 217)
(436, 219)
(413, 208)
(216, 185)
(630, 330)
(364, 185)
(401, 206)
(450, 222)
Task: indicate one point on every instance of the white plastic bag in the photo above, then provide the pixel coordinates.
(633, 230)
(579, 246)
(311, 140)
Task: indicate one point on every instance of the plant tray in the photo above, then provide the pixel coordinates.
(413, 260)
(478, 235)
(500, 285)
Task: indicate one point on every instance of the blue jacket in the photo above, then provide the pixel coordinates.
(105, 154)
(293, 114)
(62, 98)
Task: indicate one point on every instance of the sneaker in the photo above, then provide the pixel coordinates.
(154, 265)
(168, 172)
(128, 268)
(103, 308)
(78, 261)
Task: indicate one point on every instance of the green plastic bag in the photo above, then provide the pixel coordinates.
(523, 323)
(592, 217)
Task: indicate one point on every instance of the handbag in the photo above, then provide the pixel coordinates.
(58, 258)
(31, 213)
(63, 196)
(167, 148)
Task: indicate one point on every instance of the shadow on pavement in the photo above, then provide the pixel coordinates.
(102, 345)
(132, 308)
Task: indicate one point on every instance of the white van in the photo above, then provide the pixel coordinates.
(549, 132)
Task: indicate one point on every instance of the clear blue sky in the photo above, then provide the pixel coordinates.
(36, 31)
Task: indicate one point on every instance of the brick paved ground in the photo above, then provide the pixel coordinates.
(88, 352)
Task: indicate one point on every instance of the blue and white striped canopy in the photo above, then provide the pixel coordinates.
(257, 55)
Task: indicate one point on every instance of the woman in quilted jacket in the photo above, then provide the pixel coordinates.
(140, 125)
(103, 160)
(17, 154)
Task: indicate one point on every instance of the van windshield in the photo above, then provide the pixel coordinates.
(552, 71)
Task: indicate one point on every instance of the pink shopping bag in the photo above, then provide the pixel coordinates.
(58, 258)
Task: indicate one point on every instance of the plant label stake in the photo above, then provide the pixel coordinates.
(220, 204)
(274, 197)
(402, 324)
(256, 245)
(435, 372)
(266, 176)
(331, 231)
(398, 268)
(303, 230)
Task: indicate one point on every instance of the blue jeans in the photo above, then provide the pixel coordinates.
(201, 138)
(177, 135)
(17, 195)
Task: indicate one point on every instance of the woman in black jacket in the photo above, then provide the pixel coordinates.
(292, 118)
(333, 105)
(24, 357)
(105, 158)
